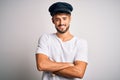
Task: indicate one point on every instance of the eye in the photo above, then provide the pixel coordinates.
(56, 19)
(64, 18)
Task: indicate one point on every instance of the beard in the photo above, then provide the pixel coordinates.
(62, 31)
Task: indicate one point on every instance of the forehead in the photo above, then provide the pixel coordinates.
(61, 15)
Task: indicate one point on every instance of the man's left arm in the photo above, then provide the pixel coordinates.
(76, 71)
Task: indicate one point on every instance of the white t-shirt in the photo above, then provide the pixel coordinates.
(58, 51)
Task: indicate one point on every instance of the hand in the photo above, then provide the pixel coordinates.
(71, 64)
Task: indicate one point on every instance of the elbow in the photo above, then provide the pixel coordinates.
(80, 75)
(40, 67)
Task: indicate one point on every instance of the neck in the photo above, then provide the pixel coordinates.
(65, 36)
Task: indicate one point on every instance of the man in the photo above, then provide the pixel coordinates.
(60, 55)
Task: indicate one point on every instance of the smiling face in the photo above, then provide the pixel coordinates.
(61, 22)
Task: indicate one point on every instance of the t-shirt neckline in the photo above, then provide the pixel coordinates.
(64, 41)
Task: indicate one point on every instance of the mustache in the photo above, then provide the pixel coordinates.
(62, 25)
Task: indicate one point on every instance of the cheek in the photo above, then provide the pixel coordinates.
(68, 22)
(56, 23)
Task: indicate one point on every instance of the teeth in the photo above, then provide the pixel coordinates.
(62, 26)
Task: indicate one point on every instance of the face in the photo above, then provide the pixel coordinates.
(61, 22)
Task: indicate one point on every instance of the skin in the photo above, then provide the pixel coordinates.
(69, 70)
(62, 23)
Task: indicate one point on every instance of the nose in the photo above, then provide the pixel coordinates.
(61, 21)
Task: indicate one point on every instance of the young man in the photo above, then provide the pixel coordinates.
(60, 55)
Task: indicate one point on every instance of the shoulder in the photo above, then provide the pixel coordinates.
(47, 35)
(81, 41)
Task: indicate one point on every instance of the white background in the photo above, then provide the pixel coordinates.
(23, 21)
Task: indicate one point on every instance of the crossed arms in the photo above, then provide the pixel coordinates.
(70, 70)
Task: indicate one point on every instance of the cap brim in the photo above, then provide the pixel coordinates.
(61, 11)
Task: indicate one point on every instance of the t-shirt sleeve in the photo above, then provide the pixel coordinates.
(82, 53)
(42, 47)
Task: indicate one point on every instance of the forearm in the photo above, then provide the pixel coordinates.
(70, 72)
(76, 71)
(47, 65)
(54, 66)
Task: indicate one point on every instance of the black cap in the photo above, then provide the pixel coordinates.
(60, 7)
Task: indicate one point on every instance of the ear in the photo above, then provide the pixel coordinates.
(52, 20)
(70, 18)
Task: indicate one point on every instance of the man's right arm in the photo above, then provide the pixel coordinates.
(45, 64)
